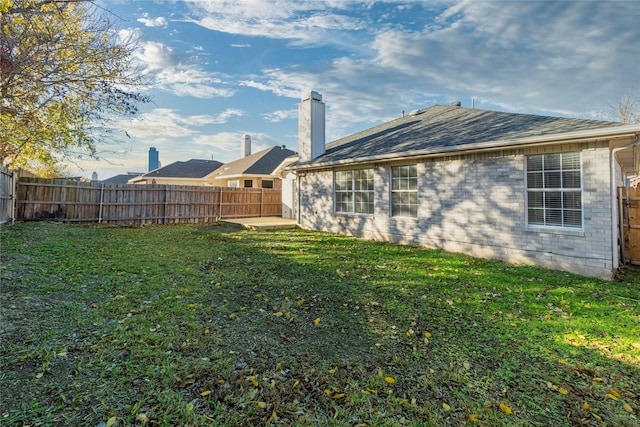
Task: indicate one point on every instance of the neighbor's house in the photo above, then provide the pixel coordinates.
(253, 170)
(516, 187)
(191, 172)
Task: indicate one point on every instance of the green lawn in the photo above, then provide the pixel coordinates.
(214, 325)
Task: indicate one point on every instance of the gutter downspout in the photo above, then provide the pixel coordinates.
(614, 205)
(298, 175)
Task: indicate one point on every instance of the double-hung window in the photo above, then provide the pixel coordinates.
(554, 190)
(404, 191)
(354, 191)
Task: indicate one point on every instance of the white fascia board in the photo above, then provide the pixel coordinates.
(243, 175)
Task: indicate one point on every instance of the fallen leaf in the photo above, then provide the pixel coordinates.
(585, 406)
(627, 407)
(338, 395)
(597, 417)
(278, 314)
(190, 407)
(260, 405)
(295, 384)
(563, 390)
(474, 418)
(205, 393)
(615, 394)
(446, 407)
(598, 379)
(427, 334)
(111, 421)
(389, 380)
(505, 408)
(142, 418)
(316, 321)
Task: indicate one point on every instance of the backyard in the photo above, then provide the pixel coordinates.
(216, 325)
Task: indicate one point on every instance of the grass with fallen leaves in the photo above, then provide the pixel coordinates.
(214, 325)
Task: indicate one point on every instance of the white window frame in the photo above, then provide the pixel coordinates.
(549, 194)
(402, 186)
(353, 191)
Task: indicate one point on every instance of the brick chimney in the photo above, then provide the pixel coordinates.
(311, 126)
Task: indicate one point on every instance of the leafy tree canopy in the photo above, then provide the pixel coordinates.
(66, 73)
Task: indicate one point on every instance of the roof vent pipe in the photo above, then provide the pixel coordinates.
(456, 103)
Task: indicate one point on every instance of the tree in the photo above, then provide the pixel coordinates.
(626, 108)
(66, 74)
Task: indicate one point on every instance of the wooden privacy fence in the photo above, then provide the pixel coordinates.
(630, 220)
(7, 188)
(132, 204)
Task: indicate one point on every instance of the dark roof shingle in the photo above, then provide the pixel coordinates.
(194, 168)
(441, 128)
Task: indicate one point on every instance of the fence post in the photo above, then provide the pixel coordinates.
(261, 198)
(220, 206)
(101, 203)
(166, 201)
(14, 196)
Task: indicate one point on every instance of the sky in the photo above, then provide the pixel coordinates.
(222, 69)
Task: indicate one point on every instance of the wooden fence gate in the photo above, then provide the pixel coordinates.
(630, 212)
(7, 196)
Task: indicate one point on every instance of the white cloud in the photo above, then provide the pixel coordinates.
(244, 45)
(152, 22)
(549, 57)
(179, 73)
(302, 22)
(280, 115)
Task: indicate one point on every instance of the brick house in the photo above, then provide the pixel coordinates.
(515, 187)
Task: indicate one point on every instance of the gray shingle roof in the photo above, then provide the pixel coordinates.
(194, 168)
(121, 179)
(442, 128)
(261, 163)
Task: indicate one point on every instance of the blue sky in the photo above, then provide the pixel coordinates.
(222, 69)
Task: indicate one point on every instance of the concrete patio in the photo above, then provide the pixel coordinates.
(263, 223)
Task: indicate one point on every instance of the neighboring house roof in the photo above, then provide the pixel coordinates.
(283, 168)
(261, 163)
(194, 168)
(121, 179)
(442, 129)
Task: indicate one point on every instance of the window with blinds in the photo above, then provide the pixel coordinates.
(554, 190)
